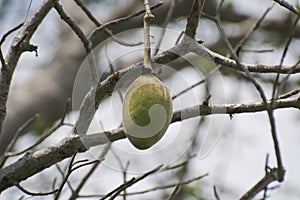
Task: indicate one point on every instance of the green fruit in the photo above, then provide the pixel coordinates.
(147, 111)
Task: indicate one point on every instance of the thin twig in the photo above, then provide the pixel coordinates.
(216, 193)
(66, 110)
(88, 12)
(27, 11)
(147, 51)
(58, 7)
(83, 181)
(262, 184)
(2, 59)
(20, 130)
(46, 134)
(112, 69)
(181, 34)
(3, 62)
(87, 163)
(65, 178)
(117, 21)
(261, 92)
(10, 32)
(62, 173)
(242, 41)
(289, 94)
(180, 164)
(198, 83)
(114, 193)
(286, 47)
(257, 51)
(286, 78)
(184, 182)
(54, 183)
(125, 179)
(80, 161)
(15, 138)
(34, 193)
(219, 6)
(177, 187)
(124, 171)
(164, 25)
(106, 30)
(288, 6)
(267, 169)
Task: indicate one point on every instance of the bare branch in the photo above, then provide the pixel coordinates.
(258, 88)
(106, 30)
(253, 28)
(75, 193)
(288, 6)
(10, 32)
(3, 62)
(216, 193)
(147, 51)
(164, 25)
(178, 165)
(289, 94)
(72, 24)
(184, 182)
(288, 43)
(227, 62)
(32, 163)
(93, 98)
(262, 184)
(34, 193)
(196, 84)
(181, 34)
(203, 110)
(177, 187)
(62, 173)
(45, 135)
(129, 183)
(65, 177)
(117, 21)
(124, 170)
(193, 19)
(17, 47)
(15, 138)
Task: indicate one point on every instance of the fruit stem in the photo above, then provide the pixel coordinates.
(147, 51)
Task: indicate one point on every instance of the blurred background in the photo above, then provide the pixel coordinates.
(233, 151)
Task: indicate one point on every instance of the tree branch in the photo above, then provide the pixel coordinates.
(19, 45)
(227, 62)
(262, 184)
(204, 110)
(58, 7)
(288, 6)
(32, 163)
(193, 19)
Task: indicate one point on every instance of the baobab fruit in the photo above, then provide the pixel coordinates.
(147, 111)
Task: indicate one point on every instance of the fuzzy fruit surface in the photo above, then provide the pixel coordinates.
(147, 111)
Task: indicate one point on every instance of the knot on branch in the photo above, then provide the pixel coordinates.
(26, 46)
(149, 17)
